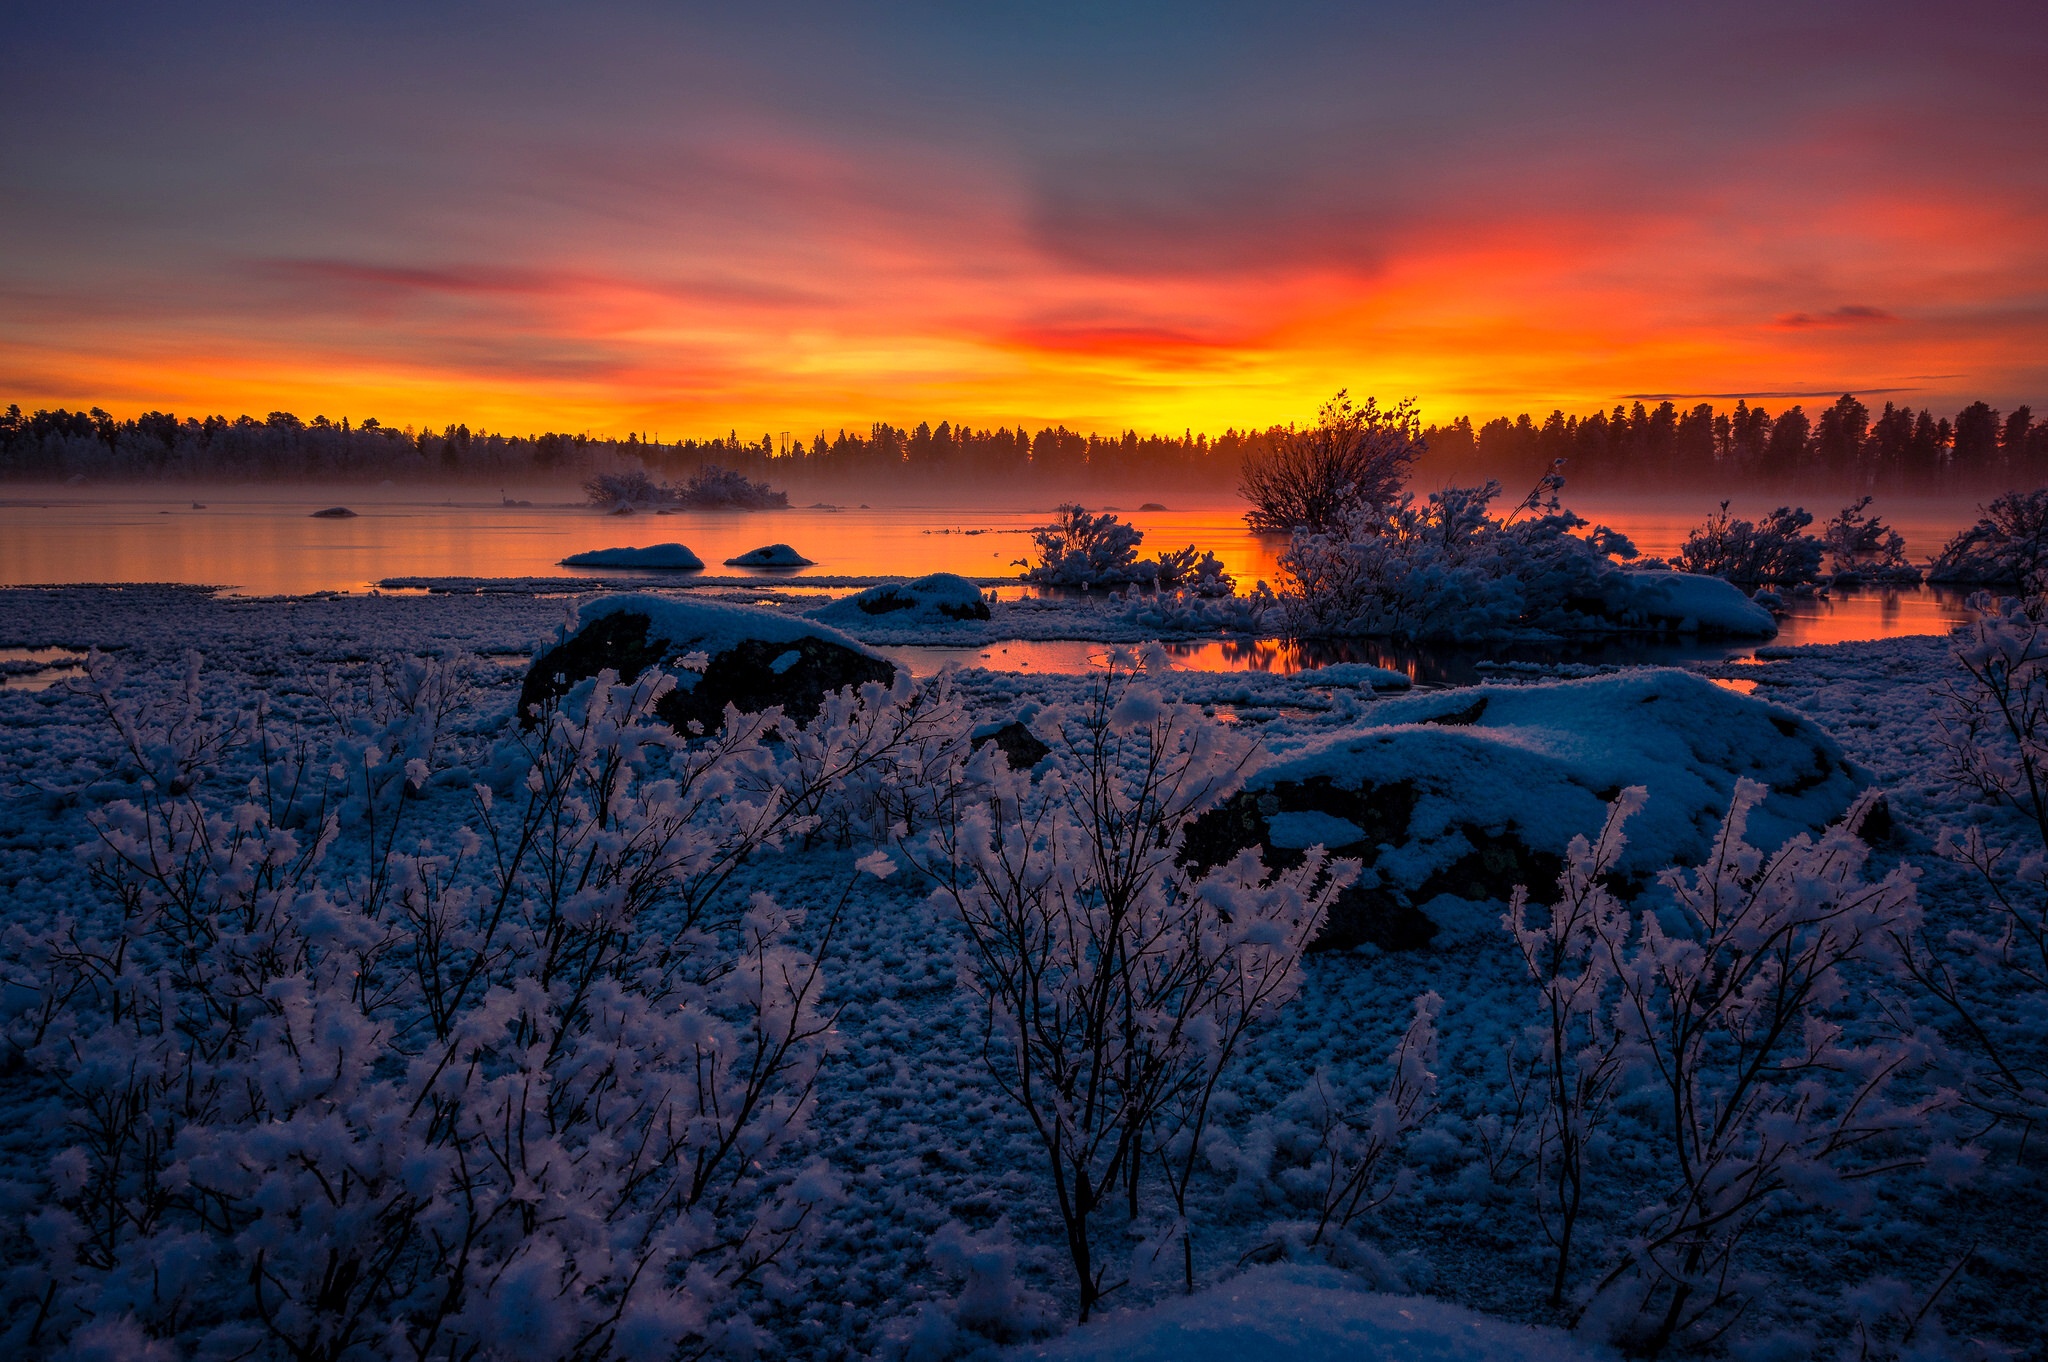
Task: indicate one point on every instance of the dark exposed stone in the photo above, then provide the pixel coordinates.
(1379, 915)
(744, 675)
(1460, 718)
(1877, 826)
(1019, 744)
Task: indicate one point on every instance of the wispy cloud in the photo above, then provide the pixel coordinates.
(1855, 314)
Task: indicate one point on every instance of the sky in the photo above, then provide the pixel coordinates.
(683, 219)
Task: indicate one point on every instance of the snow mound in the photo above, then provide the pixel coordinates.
(1451, 798)
(940, 599)
(674, 556)
(1688, 603)
(1304, 1314)
(712, 627)
(770, 555)
(1538, 762)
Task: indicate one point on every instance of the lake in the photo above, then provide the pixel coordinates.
(263, 540)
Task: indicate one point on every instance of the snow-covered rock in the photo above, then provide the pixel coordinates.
(770, 555)
(941, 599)
(750, 657)
(1688, 603)
(1289, 1313)
(1467, 793)
(671, 556)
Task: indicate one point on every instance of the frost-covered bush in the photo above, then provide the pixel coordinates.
(1199, 576)
(1350, 1163)
(1354, 459)
(1572, 955)
(1446, 569)
(630, 488)
(537, 1090)
(1995, 983)
(1861, 545)
(2007, 547)
(1080, 549)
(1725, 1003)
(1196, 613)
(1775, 550)
(1116, 983)
(713, 488)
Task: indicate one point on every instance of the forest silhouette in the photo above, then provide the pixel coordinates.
(1636, 448)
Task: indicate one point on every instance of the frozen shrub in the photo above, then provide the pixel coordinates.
(1115, 983)
(713, 488)
(1353, 459)
(1861, 545)
(629, 488)
(1188, 612)
(1350, 1164)
(1445, 569)
(1201, 576)
(1571, 957)
(1765, 1098)
(539, 1091)
(1079, 549)
(1995, 983)
(2007, 547)
(1775, 550)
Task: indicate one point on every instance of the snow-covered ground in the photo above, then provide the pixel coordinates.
(930, 1154)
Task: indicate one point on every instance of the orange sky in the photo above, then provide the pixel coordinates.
(685, 225)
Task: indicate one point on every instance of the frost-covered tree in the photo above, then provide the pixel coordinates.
(1354, 458)
(1115, 982)
(1571, 956)
(1727, 1008)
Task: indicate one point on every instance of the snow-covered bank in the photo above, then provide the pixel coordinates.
(908, 1118)
(1304, 1314)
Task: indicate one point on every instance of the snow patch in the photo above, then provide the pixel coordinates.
(710, 627)
(1299, 831)
(1291, 1313)
(942, 600)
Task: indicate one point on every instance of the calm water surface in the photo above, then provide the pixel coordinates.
(264, 541)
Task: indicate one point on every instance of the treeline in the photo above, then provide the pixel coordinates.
(1843, 446)
(59, 445)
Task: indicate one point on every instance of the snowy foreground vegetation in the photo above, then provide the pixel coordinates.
(350, 1012)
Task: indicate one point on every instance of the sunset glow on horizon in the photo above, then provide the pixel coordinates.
(812, 222)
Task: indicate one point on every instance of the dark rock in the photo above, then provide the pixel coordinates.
(335, 513)
(1877, 826)
(1364, 914)
(1018, 743)
(794, 667)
